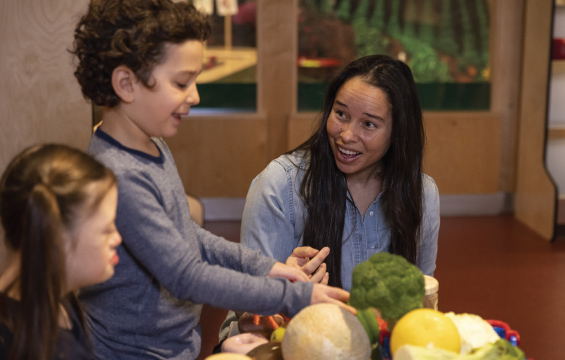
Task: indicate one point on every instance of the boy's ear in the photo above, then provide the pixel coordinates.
(123, 79)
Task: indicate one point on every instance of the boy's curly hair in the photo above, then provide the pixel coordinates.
(132, 33)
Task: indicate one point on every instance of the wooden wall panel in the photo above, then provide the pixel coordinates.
(463, 152)
(219, 156)
(300, 127)
(536, 195)
(506, 48)
(277, 32)
(40, 101)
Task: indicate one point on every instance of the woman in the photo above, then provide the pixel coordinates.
(356, 185)
(58, 207)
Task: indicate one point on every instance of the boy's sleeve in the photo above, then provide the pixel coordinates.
(177, 263)
(219, 251)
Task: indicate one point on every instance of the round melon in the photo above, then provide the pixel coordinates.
(325, 331)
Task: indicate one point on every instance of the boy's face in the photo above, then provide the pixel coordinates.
(157, 111)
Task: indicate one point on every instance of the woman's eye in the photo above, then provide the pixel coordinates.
(340, 114)
(369, 124)
(182, 86)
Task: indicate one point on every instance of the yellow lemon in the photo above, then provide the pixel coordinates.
(425, 328)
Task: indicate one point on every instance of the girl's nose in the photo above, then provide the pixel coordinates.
(116, 239)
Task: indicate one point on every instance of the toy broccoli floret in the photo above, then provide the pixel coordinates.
(388, 283)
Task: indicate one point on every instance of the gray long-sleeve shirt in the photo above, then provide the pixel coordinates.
(150, 308)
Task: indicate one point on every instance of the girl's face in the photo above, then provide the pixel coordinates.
(91, 245)
(158, 111)
(359, 128)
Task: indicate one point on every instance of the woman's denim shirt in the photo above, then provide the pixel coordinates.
(273, 219)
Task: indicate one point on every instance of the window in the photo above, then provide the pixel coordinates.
(445, 43)
(228, 80)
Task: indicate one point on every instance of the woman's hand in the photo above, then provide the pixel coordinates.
(243, 343)
(281, 270)
(310, 261)
(331, 295)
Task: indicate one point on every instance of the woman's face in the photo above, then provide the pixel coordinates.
(91, 245)
(359, 128)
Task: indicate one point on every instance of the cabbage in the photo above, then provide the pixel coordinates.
(474, 331)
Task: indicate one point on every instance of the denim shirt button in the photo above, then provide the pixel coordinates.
(371, 213)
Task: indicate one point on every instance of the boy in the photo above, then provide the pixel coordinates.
(139, 59)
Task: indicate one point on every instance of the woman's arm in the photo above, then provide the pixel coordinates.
(430, 227)
(269, 222)
(273, 220)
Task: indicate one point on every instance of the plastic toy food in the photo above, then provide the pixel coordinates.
(426, 328)
(278, 334)
(475, 332)
(325, 331)
(268, 351)
(499, 350)
(388, 283)
(256, 324)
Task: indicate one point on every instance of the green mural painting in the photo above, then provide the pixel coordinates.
(441, 40)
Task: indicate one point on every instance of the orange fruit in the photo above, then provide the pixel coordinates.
(425, 328)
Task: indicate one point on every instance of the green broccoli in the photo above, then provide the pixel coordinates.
(388, 283)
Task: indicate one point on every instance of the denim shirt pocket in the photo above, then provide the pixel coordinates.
(378, 236)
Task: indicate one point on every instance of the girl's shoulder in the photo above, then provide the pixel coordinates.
(74, 342)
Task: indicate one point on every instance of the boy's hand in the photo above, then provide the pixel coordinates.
(331, 295)
(281, 270)
(310, 261)
(243, 343)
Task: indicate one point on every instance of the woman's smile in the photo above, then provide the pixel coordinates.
(348, 155)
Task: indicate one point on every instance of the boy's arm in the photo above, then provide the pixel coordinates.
(176, 262)
(219, 251)
(268, 222)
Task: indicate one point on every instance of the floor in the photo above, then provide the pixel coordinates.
(494, 267)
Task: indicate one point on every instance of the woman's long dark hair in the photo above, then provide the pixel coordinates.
(41, 193)
(324, 188)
